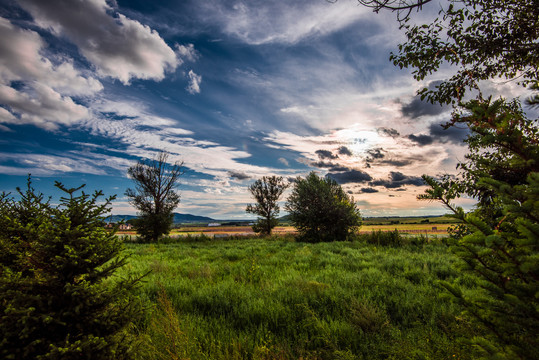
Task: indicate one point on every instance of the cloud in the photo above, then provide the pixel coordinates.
(350, 176)
(417, 107)
(262, 22)
(453, 134)
(46, 165)
(24, 59)
(35, 91)
(343, 150)
(399, 162)
(368, 190)
(283, 161)
(194, 83)
(376, 153)
(388, 132)
(187, 52)
(397, 179)
(329, 165)
(42, 107)
(421, 140)
(325, 154)
(118, 46)
(238, 175)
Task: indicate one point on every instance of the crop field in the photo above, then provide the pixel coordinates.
(223, 231)
(279, 299)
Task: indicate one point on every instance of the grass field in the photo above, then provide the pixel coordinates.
(279, 299)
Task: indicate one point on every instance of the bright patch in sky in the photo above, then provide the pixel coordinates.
(237, 90)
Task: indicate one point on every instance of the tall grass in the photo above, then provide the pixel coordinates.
(278, 299)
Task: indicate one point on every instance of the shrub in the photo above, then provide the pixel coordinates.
(321, 210)
(384, 238)
(55, 302)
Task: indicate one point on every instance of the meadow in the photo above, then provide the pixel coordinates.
(275, 298)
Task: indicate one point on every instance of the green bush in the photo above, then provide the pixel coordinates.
(55, 300)
(321, 211)
(384, 238)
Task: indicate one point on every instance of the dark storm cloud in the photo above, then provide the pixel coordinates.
(421, 140)
(343, 150)
(238, 175)
(418, 107)
(388, 132)
(452, 134)
(376, 153)
(350, 176)
(368, 190)
(330, 166)
(396, 180)
(397, 163)
(325, 154)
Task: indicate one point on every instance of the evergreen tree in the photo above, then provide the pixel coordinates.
(56, 299)
(499, 240)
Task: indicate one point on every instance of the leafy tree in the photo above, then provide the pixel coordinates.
(56, 301)
(321, 210)
(154, 195)
(266, 192)
(482, 39)
(497, 241)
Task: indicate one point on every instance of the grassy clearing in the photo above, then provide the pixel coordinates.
(278, 299)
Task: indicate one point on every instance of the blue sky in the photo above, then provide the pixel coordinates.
(235, 89)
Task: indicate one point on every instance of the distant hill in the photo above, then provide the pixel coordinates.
(178, 218)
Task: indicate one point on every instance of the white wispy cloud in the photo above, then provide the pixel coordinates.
(187, 52)
(261, 22)
(119, 47)
(194, 82)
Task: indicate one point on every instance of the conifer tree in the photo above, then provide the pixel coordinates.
(56, 299)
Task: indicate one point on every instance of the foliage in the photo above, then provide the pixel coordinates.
(154, 195)
(384, 238)
(55, 261)
(486, 40)
(273, 299)
(321, 210)
(500, 241)
(266, 192)
(482, 39)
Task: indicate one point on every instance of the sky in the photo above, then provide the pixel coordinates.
(235, 89)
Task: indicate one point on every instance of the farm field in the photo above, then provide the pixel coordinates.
(429, 229)
(279, 299)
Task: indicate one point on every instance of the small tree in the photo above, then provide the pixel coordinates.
(55, 300)
(154, 195)
(266, 192)
(321, 210)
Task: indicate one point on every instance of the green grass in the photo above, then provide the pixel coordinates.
(278, 299)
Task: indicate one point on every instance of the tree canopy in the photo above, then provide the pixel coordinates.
(480, 39)
(155, 195)
(321, 210)
(266, 192)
